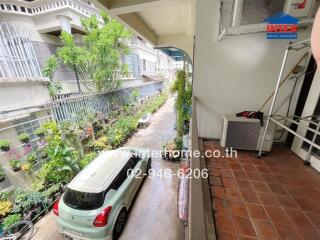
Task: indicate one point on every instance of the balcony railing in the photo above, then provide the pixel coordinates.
(46, 6)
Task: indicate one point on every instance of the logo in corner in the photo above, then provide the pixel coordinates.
(282, 26)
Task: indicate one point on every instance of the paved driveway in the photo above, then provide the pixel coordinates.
(153, 215)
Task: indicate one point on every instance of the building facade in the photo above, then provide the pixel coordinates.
(29, 34)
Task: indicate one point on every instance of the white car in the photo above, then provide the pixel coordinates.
(97, 200)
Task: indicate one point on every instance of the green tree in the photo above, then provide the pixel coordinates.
(71, 54)
(105, 45)
(98, 59)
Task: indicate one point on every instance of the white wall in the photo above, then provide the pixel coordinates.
(27, 23)
(236, 73)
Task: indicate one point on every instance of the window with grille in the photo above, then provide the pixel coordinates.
(25, 126)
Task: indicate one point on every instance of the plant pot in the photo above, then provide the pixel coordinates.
(40, 135)
(49, 201)
(2, 178)
(57, 195)
(36, 210)
(5, 148)
(16, 169)
(27, 215)
(25, 140)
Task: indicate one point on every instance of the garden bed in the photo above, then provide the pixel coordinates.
(64, 161)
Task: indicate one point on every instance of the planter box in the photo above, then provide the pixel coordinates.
(5, 149)
(16, 169)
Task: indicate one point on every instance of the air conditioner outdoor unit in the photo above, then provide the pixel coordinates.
(246, 133)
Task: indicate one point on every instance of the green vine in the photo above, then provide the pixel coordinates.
(183, 88)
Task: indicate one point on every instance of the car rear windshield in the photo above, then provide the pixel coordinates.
(83, 200)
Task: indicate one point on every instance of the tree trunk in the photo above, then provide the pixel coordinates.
(77, 77)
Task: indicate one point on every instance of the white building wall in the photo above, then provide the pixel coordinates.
(237, 73)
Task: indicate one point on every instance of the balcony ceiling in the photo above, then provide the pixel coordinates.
(160, 22)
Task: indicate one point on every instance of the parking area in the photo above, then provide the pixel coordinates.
(154, 212)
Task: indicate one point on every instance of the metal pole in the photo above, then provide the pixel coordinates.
(308, 157)
(301, 42)
(274, 100)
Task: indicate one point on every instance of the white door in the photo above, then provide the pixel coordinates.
(311, 108)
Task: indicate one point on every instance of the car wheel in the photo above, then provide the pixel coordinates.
(120, 223)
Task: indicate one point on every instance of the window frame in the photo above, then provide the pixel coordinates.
(237, 29)
(122, 176)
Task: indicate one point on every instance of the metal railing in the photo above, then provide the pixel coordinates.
(45, 6)
(67, 107)
(17, 56)
(73, 107)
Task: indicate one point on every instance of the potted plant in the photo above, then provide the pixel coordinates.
(24, 137)
(10, 220)
(27, 202)
(15, 165)
(171, 150)
(44, 154)
(26, 167)
(32, 157)
(5, 145)
(5, 205)
(51, 193)
(2, 174)
(40, 132)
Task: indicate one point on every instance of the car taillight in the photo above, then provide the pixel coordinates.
(102, 219)
(56, 207)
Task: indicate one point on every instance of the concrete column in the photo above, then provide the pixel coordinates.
(65, 22)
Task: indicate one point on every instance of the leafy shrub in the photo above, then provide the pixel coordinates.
(5, 207)
(87, 159)
(121, 130)
(25, 200)
(38, 185)
(62, 167)
(99, 145)
(5, 204)
(4, 196)
(10, 220)
(49, 192)
(32, 157)
(39, 131)
(15, 164)
(154, 104)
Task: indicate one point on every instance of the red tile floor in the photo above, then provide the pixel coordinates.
(275, 197)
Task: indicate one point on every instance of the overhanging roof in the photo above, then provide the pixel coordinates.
(163, 23)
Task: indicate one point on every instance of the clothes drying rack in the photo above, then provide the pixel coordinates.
(280, 120)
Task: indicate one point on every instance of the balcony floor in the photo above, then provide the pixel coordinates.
(275, 197)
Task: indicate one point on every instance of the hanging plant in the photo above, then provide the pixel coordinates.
(5, 145)
(24, 137)
(40, 132)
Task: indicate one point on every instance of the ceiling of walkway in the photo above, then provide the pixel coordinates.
(161, 22)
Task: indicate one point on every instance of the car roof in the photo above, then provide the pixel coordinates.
(99, 174)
